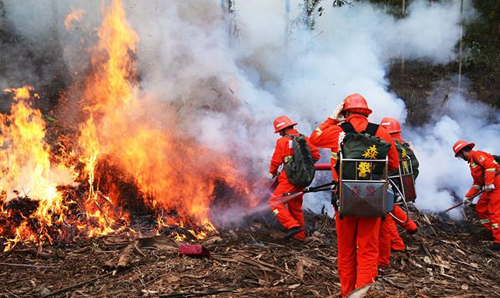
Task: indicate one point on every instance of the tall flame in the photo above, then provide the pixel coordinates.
(26, 166)
(171, 170)
(130, 154)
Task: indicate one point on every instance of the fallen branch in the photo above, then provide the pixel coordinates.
(27, 265)
(197, 294)
(126, 256)
(76, 285)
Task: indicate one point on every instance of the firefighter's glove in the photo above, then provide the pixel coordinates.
(337, 115)
(489, 187)
(271, 176)
(467, 201)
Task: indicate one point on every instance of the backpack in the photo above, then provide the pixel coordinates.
(300, 167)
(356, 197)
(406, 182)
(404, 151)
(362, 145)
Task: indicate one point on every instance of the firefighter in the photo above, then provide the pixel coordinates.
(288, 213)
(485, 172)
(357, 236)
(389, 235)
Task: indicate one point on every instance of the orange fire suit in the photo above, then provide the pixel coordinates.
(406, 223)
(357, 236)
(389, 235)
(292, 216)
(485, 171)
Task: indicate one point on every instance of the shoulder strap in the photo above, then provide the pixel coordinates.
(371, 129)
(347, 127)
(475, 162)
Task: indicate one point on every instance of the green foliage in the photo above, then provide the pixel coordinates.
(482, 48)
(482, 36)
(312, 10)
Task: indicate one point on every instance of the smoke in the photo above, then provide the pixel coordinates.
(227, 81)
(456, 116)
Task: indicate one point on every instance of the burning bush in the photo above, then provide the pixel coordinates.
(128, 158)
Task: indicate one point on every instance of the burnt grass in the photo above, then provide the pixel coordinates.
(444, 259)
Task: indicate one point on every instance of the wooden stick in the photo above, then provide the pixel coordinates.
(197, 294)
(77, 285)
(27, 265)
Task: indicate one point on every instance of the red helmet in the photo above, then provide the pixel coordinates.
(282, 122)
(461, 145)
(391, 123)
(356, 103)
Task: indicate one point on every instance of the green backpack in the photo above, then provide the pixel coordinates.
(300, 169)
(362, 145)
(404, 151)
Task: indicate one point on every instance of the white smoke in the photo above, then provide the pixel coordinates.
(457, 116)
(227, 88)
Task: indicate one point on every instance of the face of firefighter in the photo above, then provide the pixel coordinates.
(283, 132)
(464, 155)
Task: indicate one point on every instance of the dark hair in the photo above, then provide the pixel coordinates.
(466, 149)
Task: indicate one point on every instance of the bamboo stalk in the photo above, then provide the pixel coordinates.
(460, 51)
(403, 11)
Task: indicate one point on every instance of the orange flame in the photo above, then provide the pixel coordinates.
(170, 169)
(26, 160)
(74, 16)
(127, 136)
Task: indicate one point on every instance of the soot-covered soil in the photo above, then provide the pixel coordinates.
(445, 259)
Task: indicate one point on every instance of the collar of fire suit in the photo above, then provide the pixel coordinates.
(470, 159)
(397, 136)
(293, 132)
(356, 118)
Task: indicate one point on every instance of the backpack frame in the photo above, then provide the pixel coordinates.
(367, 197)
(404, 180)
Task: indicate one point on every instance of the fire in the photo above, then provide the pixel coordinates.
(74, 16)
(26, 164)
(170, 169)
(130, 156)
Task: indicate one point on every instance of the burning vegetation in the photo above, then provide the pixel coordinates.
(119, 171)
(108, 188)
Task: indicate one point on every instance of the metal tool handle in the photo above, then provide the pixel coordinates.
(461, 203)
(323, 187)
(404, 202)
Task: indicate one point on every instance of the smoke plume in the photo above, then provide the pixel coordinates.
(224, 77)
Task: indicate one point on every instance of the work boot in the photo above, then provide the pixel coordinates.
(486, 235)
(292, 232)
(495, 246)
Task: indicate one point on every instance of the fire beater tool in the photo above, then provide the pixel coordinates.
(461, 203)
(324, 187)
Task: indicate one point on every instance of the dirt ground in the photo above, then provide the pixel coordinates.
(445, 259)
